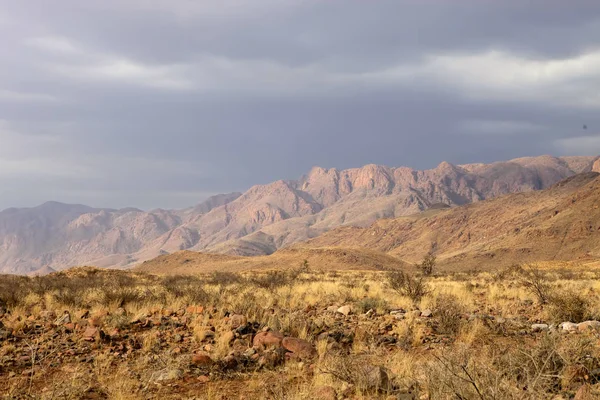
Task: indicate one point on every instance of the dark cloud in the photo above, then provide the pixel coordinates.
(161, 103)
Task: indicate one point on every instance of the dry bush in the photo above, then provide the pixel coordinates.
(427, 265)
(371, 303)
(407, 285)
(569, 306)
(12, 290)
(188, 287)
(224, 278)
(275, 279)
(447, 314)
(536, 283)
(357, 371)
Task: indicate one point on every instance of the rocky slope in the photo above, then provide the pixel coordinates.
(266, 217)
(559, 223)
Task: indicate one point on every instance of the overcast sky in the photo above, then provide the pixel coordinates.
(161, 103)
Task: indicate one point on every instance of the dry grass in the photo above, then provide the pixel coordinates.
(477, 345)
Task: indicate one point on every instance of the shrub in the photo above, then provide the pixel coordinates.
(407, 285)
(370, 303)
(447, 314)
(427, 265)
(536, 283)
(569, 306)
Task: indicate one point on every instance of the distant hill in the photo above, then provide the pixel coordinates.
(559, 223)
(266, 217)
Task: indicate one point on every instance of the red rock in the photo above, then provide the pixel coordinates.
(267, 339)
(300, 348)
(584, 393)
(90, 333)
(203, 379)
(202, 359)
(194, 310)
(324, 393)
(70, 327)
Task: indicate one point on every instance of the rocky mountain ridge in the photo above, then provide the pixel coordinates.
(264, 218)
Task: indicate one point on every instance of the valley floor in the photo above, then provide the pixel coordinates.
(527, 332)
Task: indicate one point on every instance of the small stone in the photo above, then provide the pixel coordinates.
(301, 348)
(332, 309)
(267, 339)
(399, 317)
(202, 359)
(568, 327)
(324, 393)
(584, 393)
(63, 319)
(90, 333)
(370, 313)
(345, 310)
(426, 313)
(588, 325)
(203, 379)
(539, 327)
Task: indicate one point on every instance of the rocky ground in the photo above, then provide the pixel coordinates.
(91, 334)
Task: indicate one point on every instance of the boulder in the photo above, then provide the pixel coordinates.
(345, 310)
(301, 348)
(202, 359)
(264, 340)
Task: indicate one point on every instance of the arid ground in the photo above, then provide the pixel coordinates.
(524, 332)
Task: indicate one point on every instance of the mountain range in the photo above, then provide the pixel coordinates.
(265, 218)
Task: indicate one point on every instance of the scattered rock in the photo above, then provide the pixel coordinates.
(332, 309)
(63, 319)
(90, 333)
(168, 375)
(300, 348)
(324, 393)
(194, 310)
(237, 320)
(426, 313)
(539, 327)
(203, 379)
(588, 325)
(267, 339)
(568, 327)
(345, 310)
(202, 359)
(47, 315)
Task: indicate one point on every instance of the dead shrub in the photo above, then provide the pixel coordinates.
(569, 306)
(536, 283)
(447, 314)
(407, 285)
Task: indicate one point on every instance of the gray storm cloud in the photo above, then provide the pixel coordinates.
(161, 103)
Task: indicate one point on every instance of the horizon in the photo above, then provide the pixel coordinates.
(121, 208)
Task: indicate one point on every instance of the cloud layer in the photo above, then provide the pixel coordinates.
(160, 103)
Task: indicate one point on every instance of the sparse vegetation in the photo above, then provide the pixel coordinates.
(117, 334)
(405, 284)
